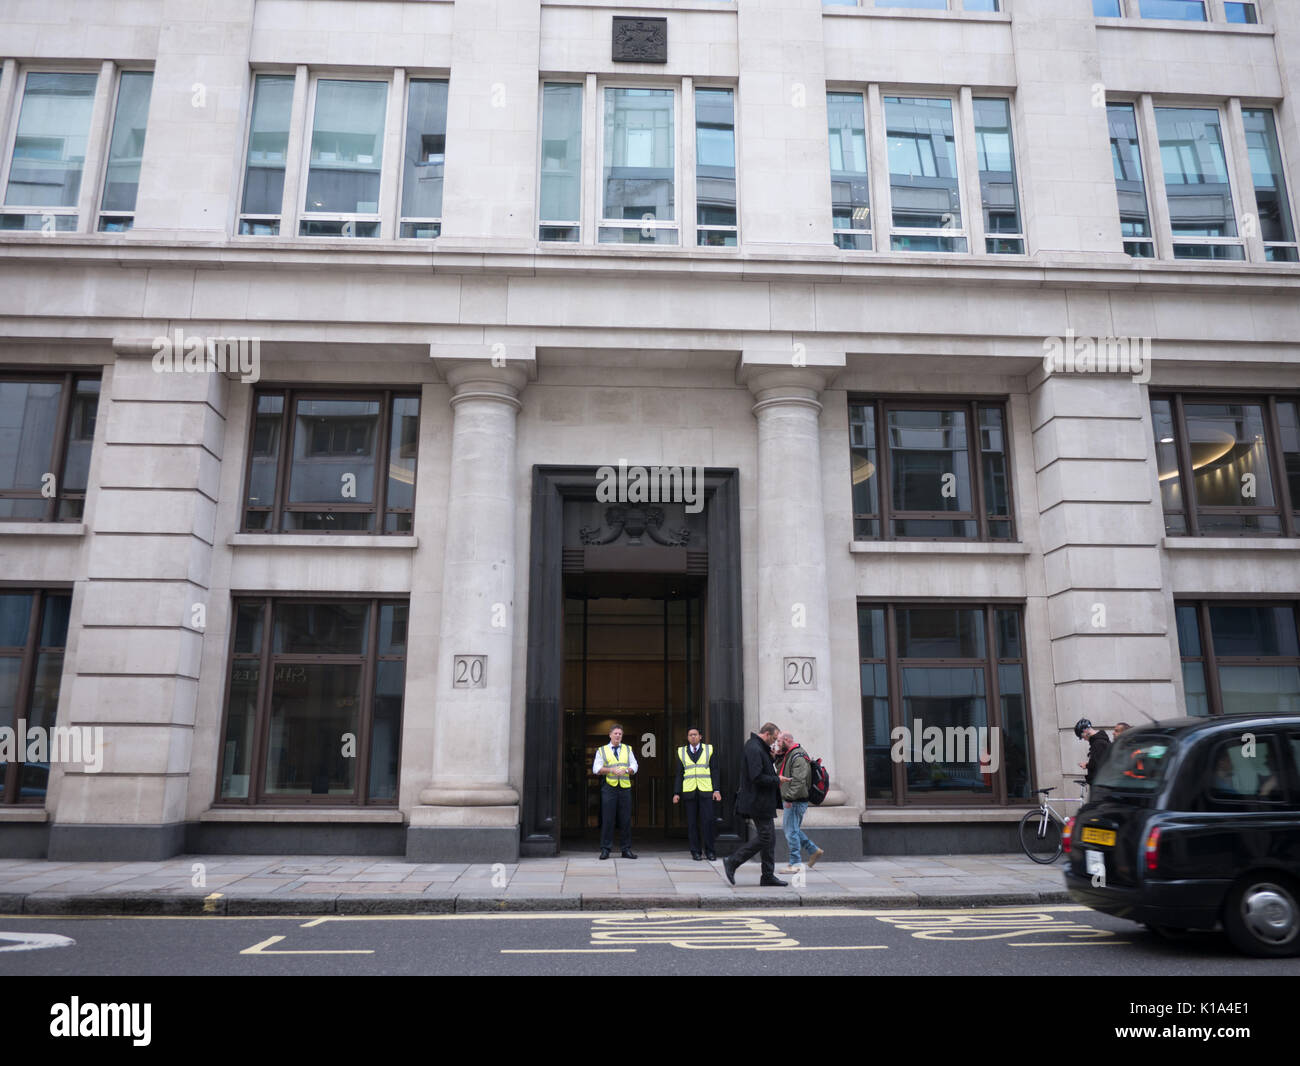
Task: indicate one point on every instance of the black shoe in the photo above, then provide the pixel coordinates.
(604, 853)
(710, 856)
(729, 868)
(628, 853)
(773, 882)
(696, 856)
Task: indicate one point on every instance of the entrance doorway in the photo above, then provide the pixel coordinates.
(633, 655)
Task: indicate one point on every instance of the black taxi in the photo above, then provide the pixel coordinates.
(1194, 823)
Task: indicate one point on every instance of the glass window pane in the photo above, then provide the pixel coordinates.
(334, 451)
(639, 161)
(862, 438)
(1251, 629)
(928, 460)
(876, 730)
(312, 706)
(1288, 420)
(926, 5)
(980, 5)
(10, 670)
(1007, 623)
(248, 628)
(940, 633)
(1230, 462)
(997, 163)
(321, 628)
(1171, 492)
(403, 452)
(871, 632)
(1244, 13)
(561, 155)
(425, 149)
(347, 147)
(850, 191)
(951, 702)
(1106, 8)
(47, 674)
(715, 159)
(1126, 160)
(127, 145)
(266, 452)
(15, 617)
(1260, 689)
(1183, 10)
(1198, 700)
(1015, 731)
(268, 140)
(54, 620)
(922, 163)
(386, 729)
(1266, 172)
(997, 486)
(1196, 172)
(81, 434)
(241, 718)
(29, 412)
(50, 145)
(1189, 630)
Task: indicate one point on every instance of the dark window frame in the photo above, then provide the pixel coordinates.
(1210, 661)
(1286, 509)
(267, 660)
(61, 441)
(885, 514)
(280, 506)
(11, 773)
(992, 695)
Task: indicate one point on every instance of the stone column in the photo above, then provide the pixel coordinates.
(793, 595)
(470, 811)
(1108, 610)
(136, 669)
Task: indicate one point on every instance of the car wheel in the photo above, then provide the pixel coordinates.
(1262, 916)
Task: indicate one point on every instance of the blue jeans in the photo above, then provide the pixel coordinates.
(796, 839)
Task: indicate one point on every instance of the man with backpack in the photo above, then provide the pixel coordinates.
(796, 782)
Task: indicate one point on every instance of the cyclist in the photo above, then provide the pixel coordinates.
(1098, 746)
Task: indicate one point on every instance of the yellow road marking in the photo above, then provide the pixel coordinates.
(568, 951)
(1071, 944)
(261, 949)
(210, 902)
(833, 947)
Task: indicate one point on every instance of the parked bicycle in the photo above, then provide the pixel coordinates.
(1041, 830)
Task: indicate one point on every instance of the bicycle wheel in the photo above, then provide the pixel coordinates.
(1042, 842)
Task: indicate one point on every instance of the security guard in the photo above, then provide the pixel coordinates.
(695, 782)
(616, 764)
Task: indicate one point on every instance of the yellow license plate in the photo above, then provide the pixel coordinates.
(1105, 837)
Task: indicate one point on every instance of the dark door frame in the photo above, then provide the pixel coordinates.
(723, 648)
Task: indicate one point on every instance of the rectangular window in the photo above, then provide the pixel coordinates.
(47, 424)
(1237, 455)
(638, 204)
(945, 470)
(850, 190)
(1250, 663)
(1275, 224)
(49, 151)
(1130, 187)
(1106, 8)
(33, 635)
(561, 155)
(997, 165)
(1196, 183)
(1182, 10)
(981, 5)
(332, 463)
(956, 673)
(303, 675)
(922, 5)
(423, 158)
(347, 148)
(1243, 13)
(715, 167)
(924, 190)
(125, 149)
(268, 144)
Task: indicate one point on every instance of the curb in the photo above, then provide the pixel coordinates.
(110, 905)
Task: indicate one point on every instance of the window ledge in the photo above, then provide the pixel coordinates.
(322, 540)
(1130, 23)
(331, 815)
(881, 815)
(24, 814)
(43, 529)
(1279, 544)
(925, 14)
(939, 547)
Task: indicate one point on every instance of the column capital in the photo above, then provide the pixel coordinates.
(787, 386)
(478, 379)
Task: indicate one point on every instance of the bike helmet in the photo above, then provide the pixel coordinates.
(1080, 726)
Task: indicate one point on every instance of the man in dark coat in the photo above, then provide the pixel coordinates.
(759, 800)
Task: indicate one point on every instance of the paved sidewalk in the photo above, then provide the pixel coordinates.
(256, 884)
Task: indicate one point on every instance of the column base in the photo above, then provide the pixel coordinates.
(115, 843)
(449, 843)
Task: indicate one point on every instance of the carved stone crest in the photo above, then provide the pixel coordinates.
(636, 522)
(640, 40)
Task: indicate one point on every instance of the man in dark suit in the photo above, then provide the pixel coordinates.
(759, 800)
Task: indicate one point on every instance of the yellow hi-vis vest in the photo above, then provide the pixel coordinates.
(608, 753)
(695, 775)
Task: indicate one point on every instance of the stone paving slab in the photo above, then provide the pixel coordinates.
(314, 885)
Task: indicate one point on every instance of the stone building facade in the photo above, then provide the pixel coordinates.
(973, 326)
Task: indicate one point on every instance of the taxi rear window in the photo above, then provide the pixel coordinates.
(1136, 762)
